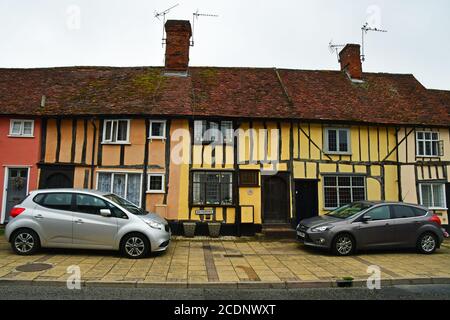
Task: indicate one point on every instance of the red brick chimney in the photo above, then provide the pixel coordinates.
(350, 58)
(178, 34)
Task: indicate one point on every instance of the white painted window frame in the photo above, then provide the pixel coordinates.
(22, 126)
(338, 152)
(163, 183)
(442, 185)
(126, 173)
(111, 140)
(163, 137)
(428, 140)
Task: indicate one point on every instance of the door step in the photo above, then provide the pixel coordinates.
(278, 231)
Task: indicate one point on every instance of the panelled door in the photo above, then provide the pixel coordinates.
(16, 190)
(275, 199)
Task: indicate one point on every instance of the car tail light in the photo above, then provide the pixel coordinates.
(16, 211)
(435, 219)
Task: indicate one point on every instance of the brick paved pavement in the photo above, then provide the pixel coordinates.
(248, 262)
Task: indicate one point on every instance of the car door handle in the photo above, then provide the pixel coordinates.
(79, 221)
(39, 216)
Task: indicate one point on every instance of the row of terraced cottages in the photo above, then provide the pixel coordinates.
(243, 146)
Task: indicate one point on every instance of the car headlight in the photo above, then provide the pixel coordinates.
(154, 224)
(321, 229)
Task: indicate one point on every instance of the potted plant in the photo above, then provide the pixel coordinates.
(214, 228)
(189, 228)
(345, 282)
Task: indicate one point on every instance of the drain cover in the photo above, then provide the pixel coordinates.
(34, 267)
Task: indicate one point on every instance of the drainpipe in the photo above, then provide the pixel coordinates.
(94, 138)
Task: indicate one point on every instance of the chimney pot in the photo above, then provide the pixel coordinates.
(350, 59)
(178, 34)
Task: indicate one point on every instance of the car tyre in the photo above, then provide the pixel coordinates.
(135, 246)
(427, 243)
(343, 245)
(25, 242)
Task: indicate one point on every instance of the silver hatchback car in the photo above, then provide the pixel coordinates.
(367, 225)
(85, 219)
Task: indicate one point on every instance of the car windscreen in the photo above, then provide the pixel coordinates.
(126, 204)
(349, 210)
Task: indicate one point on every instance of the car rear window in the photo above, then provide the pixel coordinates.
(419, 212)
(38, 199)
(58, 201)
(406, 212)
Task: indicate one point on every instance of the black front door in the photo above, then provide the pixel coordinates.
(16, 189)
(56, 177)
(275, 199)
(306, 199)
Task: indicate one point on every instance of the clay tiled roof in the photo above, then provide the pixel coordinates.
(443, 98)
(222, 92)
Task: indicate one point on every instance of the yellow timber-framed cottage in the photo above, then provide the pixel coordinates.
(247, 147)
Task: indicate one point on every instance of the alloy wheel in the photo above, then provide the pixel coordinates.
(135, 246)
(344, 245)
(24, 242)
(428, 243)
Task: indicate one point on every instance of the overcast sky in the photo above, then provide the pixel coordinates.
(250, 33)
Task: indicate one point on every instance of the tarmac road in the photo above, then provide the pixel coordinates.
(416, 292)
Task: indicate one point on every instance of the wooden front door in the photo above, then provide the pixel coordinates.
(275, 199)
(306, 199)
(16, 189)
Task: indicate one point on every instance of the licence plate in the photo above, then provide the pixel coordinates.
(301, 234)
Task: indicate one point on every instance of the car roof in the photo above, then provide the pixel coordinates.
(96, 192)
(377, 202)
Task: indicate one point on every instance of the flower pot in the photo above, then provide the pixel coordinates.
(189, 229)
(214, 229)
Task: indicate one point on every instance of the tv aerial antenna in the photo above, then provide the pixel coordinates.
(334, 48)
(163, 14)
(364, 30)
(195, 16)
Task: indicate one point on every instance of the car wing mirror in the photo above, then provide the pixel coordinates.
(366, 218)
(105, 212)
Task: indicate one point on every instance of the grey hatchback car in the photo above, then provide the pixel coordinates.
(370, 225)
(85, 219)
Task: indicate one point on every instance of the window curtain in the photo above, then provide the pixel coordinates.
(134, 188)
(119, 185)
(104, 182)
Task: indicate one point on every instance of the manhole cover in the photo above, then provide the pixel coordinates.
(34, 267)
